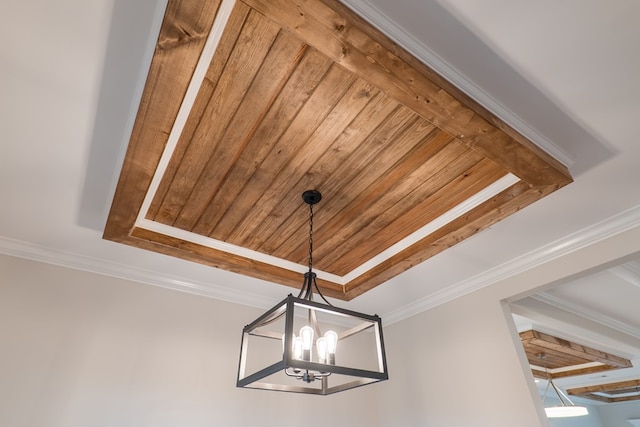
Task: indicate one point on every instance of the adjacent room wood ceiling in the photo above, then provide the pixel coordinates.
(249, 103)
(553, 357)
(622, 391)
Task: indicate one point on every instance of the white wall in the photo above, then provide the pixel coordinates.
(463, 369)
(617, 414)
(79, 349)
(462, 363)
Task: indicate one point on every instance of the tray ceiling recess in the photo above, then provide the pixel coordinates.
(249, 103)
(622, 391)
(563, 358)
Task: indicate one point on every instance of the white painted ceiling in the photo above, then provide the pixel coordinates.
(564, 73)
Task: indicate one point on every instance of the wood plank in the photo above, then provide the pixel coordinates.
(284, 57)
(597, 398)
(557, 359)
(293, 96)
(227, 42)
(396, 222)
(359, 218)
(560, 353)
(283, 243)
(181, 39)
(369, 182)
(271, 176)
(604, 388)
(244, 180)
(609, 390)
(571, 366)
(369, 216)
(510, 200)
(259, 226)
(548, 341)
(572, 372)
(553, 358)
(624, 399)
(364, 27)
(343, 41)
(395, 50)
(582, 371)
(625, 390)
(354, 100)
(150, 240)
(255, 41)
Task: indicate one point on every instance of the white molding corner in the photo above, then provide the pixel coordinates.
(607, 228)
(602, 230)
(418, 49)
(103, 267)
(628, 272)
(586, 313)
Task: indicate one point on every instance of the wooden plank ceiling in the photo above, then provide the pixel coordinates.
(623, 391)
(553, 357)
(249, 103)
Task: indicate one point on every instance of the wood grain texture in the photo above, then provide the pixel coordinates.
(343, 40)
(180, 42)
(560, 353)
(610, 392)
(306, 95)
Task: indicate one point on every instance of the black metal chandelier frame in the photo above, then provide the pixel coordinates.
(314, 377)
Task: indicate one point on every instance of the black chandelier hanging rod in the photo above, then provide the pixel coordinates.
(311, 197)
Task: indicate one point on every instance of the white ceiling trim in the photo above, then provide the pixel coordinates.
(550, 320)
(208, 52)
(209, 49)
(220, 245)
(104, 267)
(586, 313)
(566, 368)
(453, 213)
(628, 272)
(605, 229)
(611, 395)
(433, 60)
(457, 211)
(617, 224)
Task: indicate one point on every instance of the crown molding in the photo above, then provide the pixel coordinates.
(418, 49)
(605, 229)
(455, 212)
(61, 258)
(561, 247)
(586, 313)
(628, 272)
(608, 228)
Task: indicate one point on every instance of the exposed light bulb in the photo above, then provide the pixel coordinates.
(321, 348)
(332, 344)
(297, 347)
(306, 333)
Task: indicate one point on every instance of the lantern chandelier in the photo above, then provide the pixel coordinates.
(278, 351)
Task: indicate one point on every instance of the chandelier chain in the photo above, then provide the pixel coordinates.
(310, 237)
